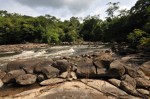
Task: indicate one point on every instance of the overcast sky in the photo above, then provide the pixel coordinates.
(63, 9)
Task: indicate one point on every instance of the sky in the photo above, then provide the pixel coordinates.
(63, 9)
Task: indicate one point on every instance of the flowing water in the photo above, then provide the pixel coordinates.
(50, 52)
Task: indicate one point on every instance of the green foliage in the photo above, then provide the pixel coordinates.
(145, 41)
(139, 37)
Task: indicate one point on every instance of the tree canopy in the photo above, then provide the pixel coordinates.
(122, 27)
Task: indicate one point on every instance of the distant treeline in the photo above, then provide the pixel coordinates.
(128, 26)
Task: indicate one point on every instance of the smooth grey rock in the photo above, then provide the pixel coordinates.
(52, 81)
(85, 68)
(50, 72)
(26, 79)
(62, 65)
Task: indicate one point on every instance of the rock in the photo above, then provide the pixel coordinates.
(115, 82)
(10, 76)
(15, 65)
(146, 68)
(101, 72)
(1, 83)
(141, 82)
(64, 75)
(41, 77)
(104, 87)
(134, 72)
(26, 79)
(19, 64)
(116, 69)
(62, 65)
(143, 91)
(128, 84)
(29, 69)
(85, 68)
(69, 75)
(129, 80)
(66, 90)
(44, 63)
(52, 81)
(2, 74)
(50, 72)
(38, 68)
(127, 87)
(103, 61)
(73, 76)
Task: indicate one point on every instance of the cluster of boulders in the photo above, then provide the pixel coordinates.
(98, 65)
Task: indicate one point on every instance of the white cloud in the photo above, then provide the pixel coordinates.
(61, 8)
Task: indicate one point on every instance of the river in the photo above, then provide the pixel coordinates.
(50, 52)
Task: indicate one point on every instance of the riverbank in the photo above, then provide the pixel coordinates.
(21, 47)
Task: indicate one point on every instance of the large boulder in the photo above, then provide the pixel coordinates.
(38, 68)
(146, 68)
(45, 62)
(103, 61)
(10, 76)
(14, 65)
(52, 81)
(128, 84)
(2, 74)
(141, 82)
(133, 71)
(85, 68)
(26, 79)
(62, 65)
(19, 64)
(116, 69)
(50, 72)
(105, 87)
